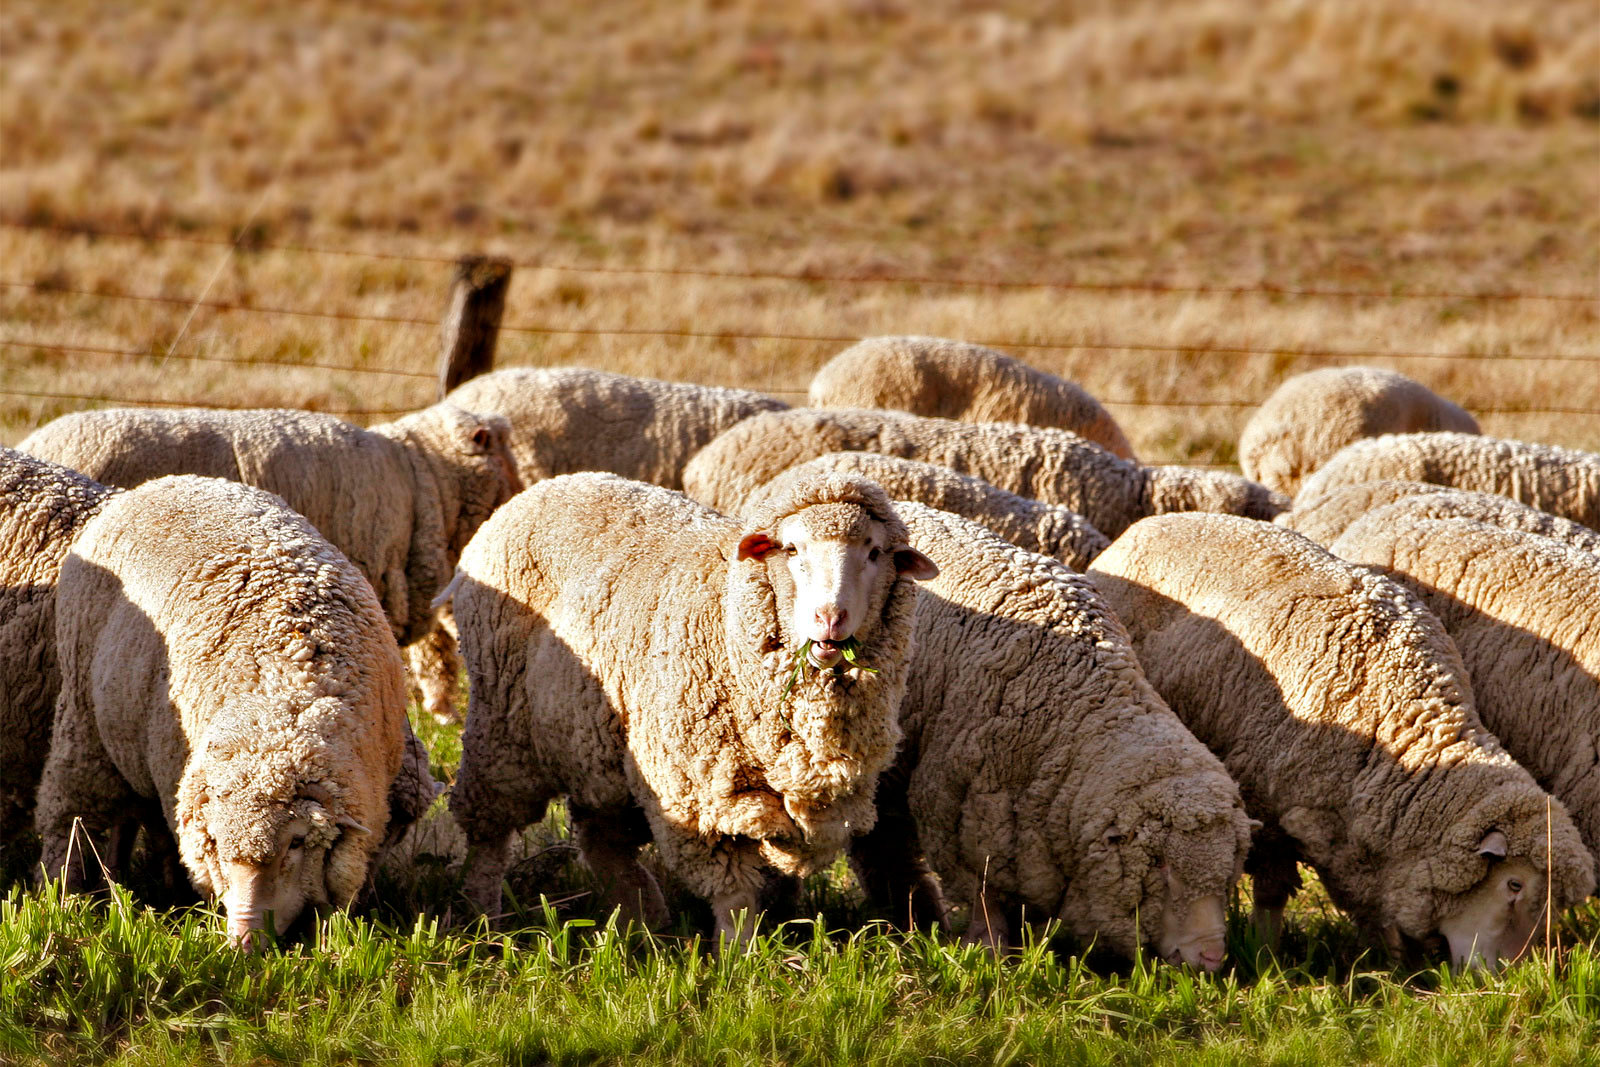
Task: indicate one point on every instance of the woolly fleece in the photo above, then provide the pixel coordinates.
(1313, 415)
(956, 380)
(1040, 766)
(1342, 709)
(219, 658)
(1524, 611)
(1328, 516)
(1561, 481)
(1053, 466)
(1048, 529)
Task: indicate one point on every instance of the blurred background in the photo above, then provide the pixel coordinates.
(1175, 204)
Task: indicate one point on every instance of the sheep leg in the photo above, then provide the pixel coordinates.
(1274, 879)
(736, 912)
(888, 863)
(82, 799)
(609, 842)
(988, 926)
(434, 664)
(484, 871)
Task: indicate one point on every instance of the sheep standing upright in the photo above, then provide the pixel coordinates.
(957, 380)
(225, 671)
(1562, 481)
(1042, 773)
(647, 658)
(1524, 611)
(1340, 706)
(569, 419)
(1053, 466)
(1311, 416)
(42, 509)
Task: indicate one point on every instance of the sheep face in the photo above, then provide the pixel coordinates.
(834, 564)
(1495, 922)
(1193, 928)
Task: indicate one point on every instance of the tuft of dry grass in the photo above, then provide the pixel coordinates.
(1375, 146)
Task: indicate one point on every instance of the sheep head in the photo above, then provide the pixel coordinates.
(470, 456)
(1168, 489)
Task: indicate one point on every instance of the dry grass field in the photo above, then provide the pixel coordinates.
(1380, 148)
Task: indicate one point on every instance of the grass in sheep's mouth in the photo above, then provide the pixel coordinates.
(850, 650)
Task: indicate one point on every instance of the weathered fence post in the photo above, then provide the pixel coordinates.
(472, 320)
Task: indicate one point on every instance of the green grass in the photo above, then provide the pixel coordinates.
(108, 979)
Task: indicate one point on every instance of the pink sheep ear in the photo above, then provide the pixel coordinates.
(914, 565)
(756, 545)
(1493, 845)
(483, 439)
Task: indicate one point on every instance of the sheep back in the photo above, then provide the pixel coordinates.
(957, 380)
(1327, 517)
(1311, 416)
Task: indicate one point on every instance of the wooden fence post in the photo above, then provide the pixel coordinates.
(472, 320)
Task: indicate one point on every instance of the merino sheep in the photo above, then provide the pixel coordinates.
(642, 656)
(1325, 518)
(42, 508)
(1561, 481)
(1042, 772)
(400, 499)
(1342, 709)
(1524, 611)
(957, 380)
(1048, 529)
(1053, 466)
(1313, 415)
(569, 419)
(226, 672)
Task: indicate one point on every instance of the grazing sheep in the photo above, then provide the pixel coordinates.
(956, 380)
(1524, 611)
(400, 499)
(1042, 772)
(1561, 481)
(1342, 709)
(42, 508)
(569, 419)
(1313, 415)
(1329, 515)
(225, 671)
(1048, 529)
(1053, 466)
(642, 656)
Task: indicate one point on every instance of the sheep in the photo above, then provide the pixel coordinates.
(1343, 710)
(647, 658)
(1313, 415)
(1040, 769)
(1329, 515)
(399, 499)
(1561, 481)
(1048, 529)
(956, 380)
(225, 673)
(569, 419)
(42, 508)
(1053, 466)
(1524, 611)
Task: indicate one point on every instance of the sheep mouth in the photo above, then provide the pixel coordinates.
(824, 654)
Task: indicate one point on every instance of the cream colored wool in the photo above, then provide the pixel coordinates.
(1044, 775)
(42, 508)
(620, 655)
(225, 670)
(1524, 611)
(1329, 515)
(1048, 529)
(1342, 709)
(956, 380)
(1312, 415)
(1561, 481)
(1052, 466)
(400, 499)
(569, 419)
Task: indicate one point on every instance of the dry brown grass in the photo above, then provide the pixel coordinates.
(1380, 146)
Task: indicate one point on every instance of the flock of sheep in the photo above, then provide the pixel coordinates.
(942, 621)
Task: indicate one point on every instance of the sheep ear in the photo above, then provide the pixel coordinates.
(1253, 824)
(483, 440)
(914, 565)
(756, 545)
(345, 822)
(1493, 845)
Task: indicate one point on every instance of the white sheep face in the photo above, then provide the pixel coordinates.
(1495, 922)
(280, 884)
(1194, 929)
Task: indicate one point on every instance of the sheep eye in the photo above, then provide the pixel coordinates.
(790, 550)
(298, 841)
(873, 555)
(1514, 884)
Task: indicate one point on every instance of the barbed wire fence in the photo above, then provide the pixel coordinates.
(488, 323)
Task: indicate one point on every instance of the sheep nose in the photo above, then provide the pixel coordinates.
(832, 621)
(1211, 959)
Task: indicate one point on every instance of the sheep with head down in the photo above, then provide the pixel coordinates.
(1343, 710)
(725, 689)
(227, 673)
